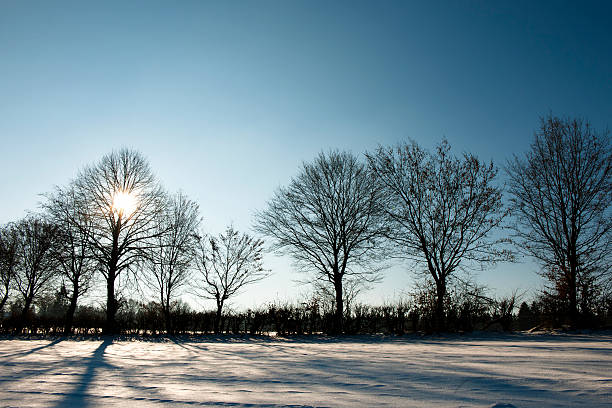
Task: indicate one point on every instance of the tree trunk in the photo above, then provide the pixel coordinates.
(168, 317)
(439, 318)
(111, 304)
(218, 316)
(339, 316)
(71, 310)
(572, 294)
(24, 314)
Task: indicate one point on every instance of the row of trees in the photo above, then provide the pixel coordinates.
(342, 220)
(115, 220)
(311, 315)
(340, 217)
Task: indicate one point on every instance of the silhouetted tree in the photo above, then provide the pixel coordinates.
(73, 250)
(36, 266)
(228, 263)
(124, 201)
(8, 261)
(328, 220)
(175, 251)
(443, 210)
(561, 199)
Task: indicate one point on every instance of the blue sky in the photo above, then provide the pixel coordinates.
(227, 98)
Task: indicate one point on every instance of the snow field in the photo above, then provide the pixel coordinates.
(369, 371)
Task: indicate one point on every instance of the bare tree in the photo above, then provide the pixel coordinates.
(73, 251)
(328, 220)
(443, 209)
(227, 264)
(562, 204)
(8, 261)
(175, 251)
(36, 266)
(124, 201)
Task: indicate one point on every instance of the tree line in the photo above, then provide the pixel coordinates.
(343, 220)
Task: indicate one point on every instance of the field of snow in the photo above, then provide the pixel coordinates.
(371, 371)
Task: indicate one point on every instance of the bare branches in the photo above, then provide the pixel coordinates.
(443, 208)
(121, 237)
(329, 221)
(227, 264)
(125, 172)
(75, 231)
(8, 261)
(175, 249)
(36, 265)
(562, 203)
(73, 251)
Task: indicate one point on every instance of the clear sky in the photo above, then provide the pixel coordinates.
(227, 98)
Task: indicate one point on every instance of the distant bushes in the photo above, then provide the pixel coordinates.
(548, 312)
(467, 308)
(466, 311)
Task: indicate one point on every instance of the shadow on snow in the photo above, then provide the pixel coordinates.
(78, 397)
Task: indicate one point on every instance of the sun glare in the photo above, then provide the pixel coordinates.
(124, 203)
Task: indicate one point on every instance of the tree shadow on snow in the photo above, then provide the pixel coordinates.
(35, 349)
(78, 397)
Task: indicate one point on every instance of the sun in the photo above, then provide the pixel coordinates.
(124, 203)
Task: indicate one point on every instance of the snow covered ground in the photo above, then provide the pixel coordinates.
(371, 371)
